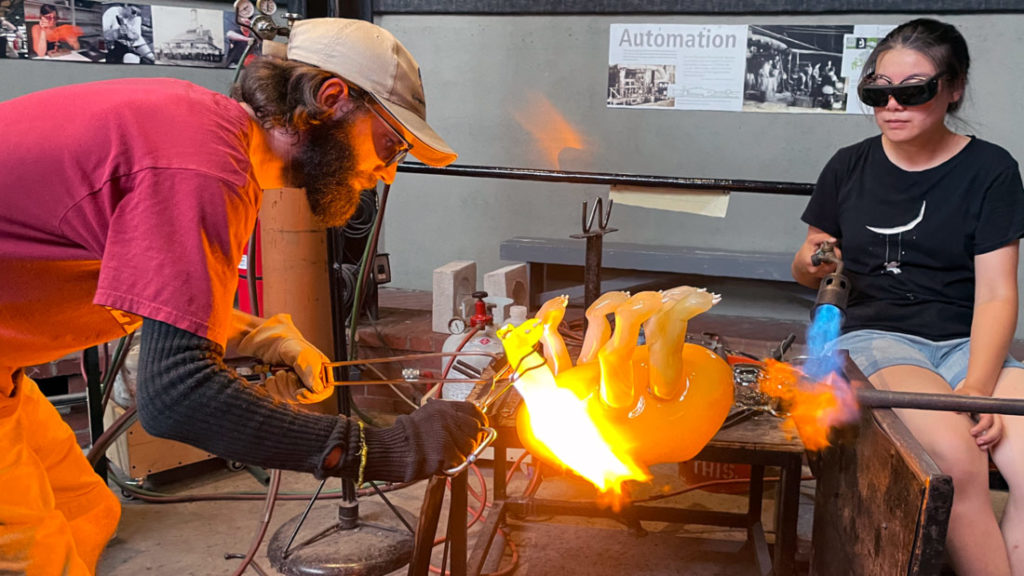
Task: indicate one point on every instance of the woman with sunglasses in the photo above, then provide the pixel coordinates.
(49, 39)
(928, 223)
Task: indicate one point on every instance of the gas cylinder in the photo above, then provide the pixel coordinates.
(481, 338)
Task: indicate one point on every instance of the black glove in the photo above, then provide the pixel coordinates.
(438, 436)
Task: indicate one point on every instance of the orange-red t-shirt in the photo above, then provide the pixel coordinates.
(140, 207)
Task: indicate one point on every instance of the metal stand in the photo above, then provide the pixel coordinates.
(361, 538)
(365, 540)
(91, 359)
(595, 242)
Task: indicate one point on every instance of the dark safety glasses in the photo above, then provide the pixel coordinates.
(907, 94)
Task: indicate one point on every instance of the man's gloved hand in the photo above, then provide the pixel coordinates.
(285, 385)
(434, 438)
(278, 341)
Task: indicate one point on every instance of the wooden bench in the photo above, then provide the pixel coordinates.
(882, 505)
(540, 254)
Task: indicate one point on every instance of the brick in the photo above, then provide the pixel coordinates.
(508, 282)
(452, 283)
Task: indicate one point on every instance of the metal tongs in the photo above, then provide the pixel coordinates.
(412, 376)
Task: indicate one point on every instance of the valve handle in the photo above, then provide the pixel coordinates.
(824, 251)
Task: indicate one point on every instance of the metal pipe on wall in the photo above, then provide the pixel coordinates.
(611, 178)
(691, 7)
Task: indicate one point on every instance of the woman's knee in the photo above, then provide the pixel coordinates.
(970, 479)
(964, 463)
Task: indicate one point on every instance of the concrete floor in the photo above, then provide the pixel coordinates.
(192, 538)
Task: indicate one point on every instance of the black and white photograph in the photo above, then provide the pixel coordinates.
(641, 85)
(85, 31)
(188, 36)
(237, 38)
(795, 68)
(128, 34)
(13, 36)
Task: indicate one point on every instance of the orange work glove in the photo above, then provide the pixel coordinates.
(278, 341)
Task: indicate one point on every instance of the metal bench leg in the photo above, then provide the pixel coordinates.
(755, 530)
(538, 283)
(457, 528)
(430, 515)
(787, 514)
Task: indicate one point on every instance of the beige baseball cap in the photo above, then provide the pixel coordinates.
(373, 59)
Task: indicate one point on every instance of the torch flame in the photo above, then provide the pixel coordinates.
(814, 406)
(549, 128)
(561, 423)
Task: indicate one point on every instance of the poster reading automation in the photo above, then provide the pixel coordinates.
(770, 68)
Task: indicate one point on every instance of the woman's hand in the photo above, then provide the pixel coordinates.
(39, 39)
(804, 270)
(988, 428)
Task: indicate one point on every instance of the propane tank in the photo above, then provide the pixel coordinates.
(483, 339)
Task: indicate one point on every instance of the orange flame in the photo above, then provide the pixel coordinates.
(561, 423)
(814, 407)
(548, 126)
(622, 407)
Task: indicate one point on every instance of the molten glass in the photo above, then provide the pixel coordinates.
(623, 407)
(814, 405)
(815, 395)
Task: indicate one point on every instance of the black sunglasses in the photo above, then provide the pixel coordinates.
(909, 94)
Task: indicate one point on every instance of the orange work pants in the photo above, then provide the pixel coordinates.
(56, 514)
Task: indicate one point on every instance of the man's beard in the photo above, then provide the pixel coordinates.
(326, 163)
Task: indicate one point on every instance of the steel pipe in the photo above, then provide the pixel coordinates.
(869, 398)
(610, 178)
(68, 399)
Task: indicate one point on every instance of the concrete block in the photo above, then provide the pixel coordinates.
(508, 282)
(453, 283)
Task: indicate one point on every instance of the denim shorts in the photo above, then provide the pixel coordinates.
(873, 350)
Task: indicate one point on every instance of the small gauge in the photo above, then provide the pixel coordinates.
(456, 325)
(244, 9)
(267, 6)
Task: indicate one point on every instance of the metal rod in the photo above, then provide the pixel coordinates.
(609, 178)
(91, 361)
(339, 316)
(426, 527)
(394, 509)
(302, 519)
(401, 358)
(592, 270)
(409, 381)
(68, 399)
(947, 402)
(457, 528)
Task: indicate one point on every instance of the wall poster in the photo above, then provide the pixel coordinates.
(120, 33)
(806, 68)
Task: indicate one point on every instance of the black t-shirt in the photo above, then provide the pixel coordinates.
(909, 238)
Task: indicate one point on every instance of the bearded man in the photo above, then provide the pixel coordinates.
(138, 218)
